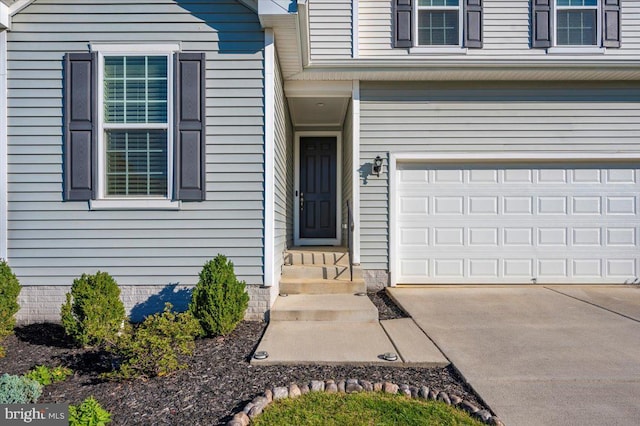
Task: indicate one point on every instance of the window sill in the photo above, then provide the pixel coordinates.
(445, 50)
(576, 50)
(139, 204)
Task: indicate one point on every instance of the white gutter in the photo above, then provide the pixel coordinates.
(4, 17)
(269, 158)
(4, 221)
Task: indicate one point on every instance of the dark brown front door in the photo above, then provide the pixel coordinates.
(318, 187)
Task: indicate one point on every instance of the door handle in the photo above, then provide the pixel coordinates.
(301, 201)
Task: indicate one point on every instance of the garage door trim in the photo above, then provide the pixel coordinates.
(474, 158)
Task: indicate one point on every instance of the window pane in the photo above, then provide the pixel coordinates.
(577, 2)
(577, 27)
(136, 162)
(131, 85)
(438, 28)
(437, 3)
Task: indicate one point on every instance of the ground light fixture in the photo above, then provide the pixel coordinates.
(390, 356)
(377, 166)
(261, 355)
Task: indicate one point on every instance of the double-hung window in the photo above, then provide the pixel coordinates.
(135, 139)
(134, 119)
(439, 22)
(577, 23)
(573, 25)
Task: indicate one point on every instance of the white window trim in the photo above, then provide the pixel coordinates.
(576, 48)
(444, 48)
(103, 201)
(134, 204)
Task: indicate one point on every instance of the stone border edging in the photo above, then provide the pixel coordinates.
(260, 402)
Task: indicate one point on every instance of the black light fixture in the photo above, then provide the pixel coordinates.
(377, 166)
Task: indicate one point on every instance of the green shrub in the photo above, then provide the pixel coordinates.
(89, 413)
(19, 390)
(153, 347)
(219, 300)
(48, 375)
(9, 291)
(93, 313)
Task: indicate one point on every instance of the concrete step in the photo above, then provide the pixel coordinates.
(316, 257)
(320, 286)
(320, 272)
(324, 307)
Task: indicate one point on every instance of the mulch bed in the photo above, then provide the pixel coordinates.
(218, 382)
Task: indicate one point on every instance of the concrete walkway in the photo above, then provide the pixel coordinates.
(561, 355)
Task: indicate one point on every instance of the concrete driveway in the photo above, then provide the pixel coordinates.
(561, 355)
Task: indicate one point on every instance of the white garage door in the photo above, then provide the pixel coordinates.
(517, 223)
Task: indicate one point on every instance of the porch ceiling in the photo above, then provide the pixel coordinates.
(318, 111)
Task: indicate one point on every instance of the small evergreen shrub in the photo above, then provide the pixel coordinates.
(48, 375)
(9, 291)
(93, 313)
(89, 413)
(153, 347)
(219, 300)
(19, 390)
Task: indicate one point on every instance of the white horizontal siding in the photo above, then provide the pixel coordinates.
(506, 30)
(491, 117)
(50, 241)
(330, 24)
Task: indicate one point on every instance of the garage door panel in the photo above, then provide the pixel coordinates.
(504, 224)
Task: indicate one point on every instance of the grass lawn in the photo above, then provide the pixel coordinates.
(359, 409)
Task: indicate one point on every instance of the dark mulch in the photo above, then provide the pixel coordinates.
(218, 382)
(387, 309)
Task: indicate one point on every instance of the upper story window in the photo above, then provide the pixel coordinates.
(135, 137)
(439, 22)
(575, 23)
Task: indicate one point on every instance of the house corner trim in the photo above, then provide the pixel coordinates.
(269, 158)
(4, 221)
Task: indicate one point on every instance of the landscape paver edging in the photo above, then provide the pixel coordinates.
(260, 402)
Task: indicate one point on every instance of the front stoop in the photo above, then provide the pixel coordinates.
(322, 317)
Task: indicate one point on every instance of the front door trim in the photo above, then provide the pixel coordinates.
(296, 191)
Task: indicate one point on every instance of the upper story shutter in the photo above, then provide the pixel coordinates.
(611, 23)
(541, 23)
(403, 29)
(190, 130)
(473, 24)
(80, 117)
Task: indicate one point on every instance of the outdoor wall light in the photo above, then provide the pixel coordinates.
(377, 166)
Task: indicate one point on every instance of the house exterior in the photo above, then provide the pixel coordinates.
(476, 141)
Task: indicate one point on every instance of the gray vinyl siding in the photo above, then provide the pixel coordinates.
(487, 118)
(50, 241)
(330, 24)
(506, 30)
(283, 215)
(347, 167)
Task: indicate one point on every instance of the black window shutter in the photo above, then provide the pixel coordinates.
(403, 30)
(611, 23)
(190, 133)
(79, 117)
(473, 24)
(541, 27)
